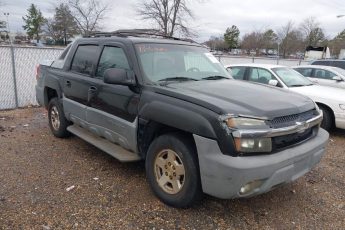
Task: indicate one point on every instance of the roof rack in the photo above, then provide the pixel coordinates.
(137, 33)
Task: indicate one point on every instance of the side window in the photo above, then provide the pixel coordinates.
(305, 71)
(260, 75)
(84, 59)
(237, 72)
(324, 74)
(112, 57)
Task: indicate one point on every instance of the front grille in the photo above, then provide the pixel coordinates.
(282, 142)
(291, 120)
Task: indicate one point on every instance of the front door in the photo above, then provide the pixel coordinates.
(112, 112)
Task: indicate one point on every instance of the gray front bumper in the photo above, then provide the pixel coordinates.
(222, 176)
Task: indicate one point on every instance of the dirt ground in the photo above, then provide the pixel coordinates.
(37, 168)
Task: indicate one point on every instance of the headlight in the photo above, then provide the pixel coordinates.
(250, 145)
(243, 122)
(342, 106)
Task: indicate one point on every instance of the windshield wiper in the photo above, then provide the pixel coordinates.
(297, 85)
(215, 77)
(178, 79)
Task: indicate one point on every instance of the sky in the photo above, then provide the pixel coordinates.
(211, 17)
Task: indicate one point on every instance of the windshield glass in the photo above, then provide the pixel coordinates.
(291, 78)
(339, 70)
(162, 62)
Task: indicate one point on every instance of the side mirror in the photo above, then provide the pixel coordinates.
(337, 78)
(118, 76)
(273, 82)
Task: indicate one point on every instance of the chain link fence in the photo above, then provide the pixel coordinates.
(17, 74)
(18, 69)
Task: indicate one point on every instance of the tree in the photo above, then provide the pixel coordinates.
(313, 34)
(62, 26)
(34, 22)
(231, 36)
(169, 15)
(269, 39)
(216, 43)
(87, 14)
(337, 43)
(291, 39)
(252, 42)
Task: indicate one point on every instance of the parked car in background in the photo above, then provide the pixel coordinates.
(323, 75)
(330, 100)
(330, 62)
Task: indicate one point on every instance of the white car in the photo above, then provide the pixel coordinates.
(330, 100)
(323, 75)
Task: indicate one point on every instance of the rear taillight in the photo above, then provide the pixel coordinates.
(37, 72)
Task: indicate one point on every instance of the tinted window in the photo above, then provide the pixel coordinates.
(85, 59)
(340, 64)
(323, 74)
(260, 75)
(237, 72)
(112, 57)
(305, 71)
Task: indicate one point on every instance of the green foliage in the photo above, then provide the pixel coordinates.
(231, 36)
(63, 26)
(34, 22)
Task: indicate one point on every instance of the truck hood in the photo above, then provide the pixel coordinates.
(323, 93)
(239, 98)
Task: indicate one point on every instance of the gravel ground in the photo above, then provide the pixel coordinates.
(36, 169)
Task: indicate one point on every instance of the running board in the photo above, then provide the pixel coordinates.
(112, 149)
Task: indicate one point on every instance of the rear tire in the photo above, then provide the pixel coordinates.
(328, 121)
(57, 121)
(172, 170)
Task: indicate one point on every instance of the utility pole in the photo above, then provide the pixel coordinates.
(8, 27)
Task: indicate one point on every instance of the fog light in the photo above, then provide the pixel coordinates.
(249, 187)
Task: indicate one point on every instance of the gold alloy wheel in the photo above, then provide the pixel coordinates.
(54, 118)
(169, 171)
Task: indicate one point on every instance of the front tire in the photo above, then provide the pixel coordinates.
(327, 122)
(57, 121)
(172, 170)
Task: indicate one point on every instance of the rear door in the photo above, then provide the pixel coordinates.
(112, 112)
(76, 82)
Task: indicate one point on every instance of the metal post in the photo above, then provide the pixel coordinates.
(278, 54)
(14, 76)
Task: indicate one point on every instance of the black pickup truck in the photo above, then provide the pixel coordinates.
(171, 103)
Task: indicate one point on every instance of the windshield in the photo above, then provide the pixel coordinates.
(291, 78)
(170, 62)
(339, 70)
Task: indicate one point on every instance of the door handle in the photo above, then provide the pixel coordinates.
(68, 83)
(91, 93)
(93, 89)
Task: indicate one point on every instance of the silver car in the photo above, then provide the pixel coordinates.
(323, 75)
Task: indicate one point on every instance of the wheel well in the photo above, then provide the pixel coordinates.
(50, 93)
(148, 131)
(329, 109)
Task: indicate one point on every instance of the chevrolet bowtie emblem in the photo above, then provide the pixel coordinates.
(301, 126)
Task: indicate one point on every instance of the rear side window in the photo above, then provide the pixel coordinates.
(112, 57)
(85, 59)
(324, 74)
(305, 71)
(237, 72)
